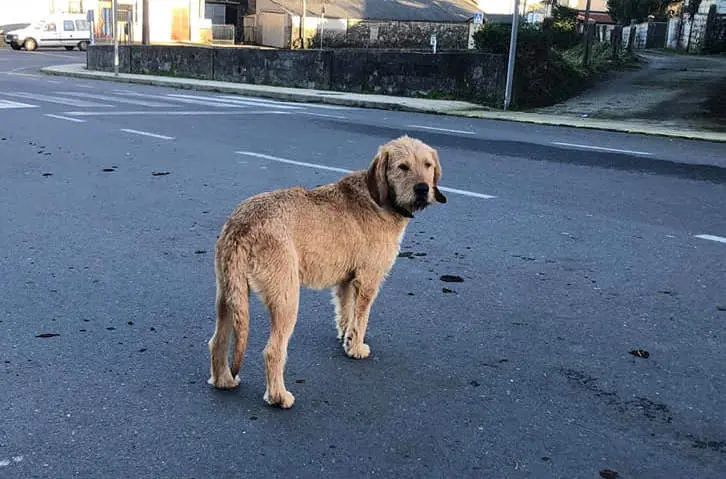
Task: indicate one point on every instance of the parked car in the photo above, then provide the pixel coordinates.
(8, 28)
(62, 30)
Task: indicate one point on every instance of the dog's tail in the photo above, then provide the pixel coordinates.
(237, 294)
(232, 306)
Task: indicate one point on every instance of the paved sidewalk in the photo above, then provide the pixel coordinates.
(443, 107)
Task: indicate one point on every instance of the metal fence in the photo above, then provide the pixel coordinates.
(223, 33)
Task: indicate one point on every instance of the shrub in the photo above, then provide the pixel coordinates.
(542, 76)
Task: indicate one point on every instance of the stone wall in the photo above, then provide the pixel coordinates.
(463, 75)
(414, 35)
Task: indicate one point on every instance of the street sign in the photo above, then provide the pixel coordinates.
(90, 16)
(478, 18)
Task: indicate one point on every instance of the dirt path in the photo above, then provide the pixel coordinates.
(680, 91)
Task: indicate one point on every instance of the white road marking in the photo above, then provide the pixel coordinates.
(53, 99)
(323, 115)
(342, 170)
(174, 113)
(61, 117)
(601, 148)
(719, 239)
(297, 104)
(448, 130)
(146, 133)
(181, 100)
(4, 462)
(117, 99)
(7, 105)
(229, 101)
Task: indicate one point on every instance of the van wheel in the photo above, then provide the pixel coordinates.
(30, 44)
(83, 46)
(69, 48)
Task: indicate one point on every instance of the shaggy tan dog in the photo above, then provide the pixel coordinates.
(345, 236)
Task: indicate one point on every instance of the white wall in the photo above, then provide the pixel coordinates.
(25, 11)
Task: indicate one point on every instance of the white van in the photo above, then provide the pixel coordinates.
(67, 30)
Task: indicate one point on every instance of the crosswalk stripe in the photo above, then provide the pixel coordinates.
(181, 100)
(237, 101)
(297, 104)
(7, 105)
(117, 99)
(52, 99)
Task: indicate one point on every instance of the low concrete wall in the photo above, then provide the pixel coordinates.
(460, 75)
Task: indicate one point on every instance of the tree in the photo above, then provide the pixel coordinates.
(624, 11)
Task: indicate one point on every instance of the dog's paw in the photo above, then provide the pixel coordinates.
(284, 400)
(225, 382)
(358, 351)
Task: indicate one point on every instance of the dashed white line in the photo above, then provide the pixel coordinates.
(175, 113)
(719, 239)
(342, 170)
(146, 133)
(602, 148)
(117, 99)
(226, 101)
(447, 130)
(67, 118)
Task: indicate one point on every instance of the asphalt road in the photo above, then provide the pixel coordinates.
(575, 248)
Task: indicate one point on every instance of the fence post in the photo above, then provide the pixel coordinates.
(616, 39)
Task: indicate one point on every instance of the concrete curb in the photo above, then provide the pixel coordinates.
(384, 102)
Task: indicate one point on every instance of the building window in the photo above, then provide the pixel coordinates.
(75, 6)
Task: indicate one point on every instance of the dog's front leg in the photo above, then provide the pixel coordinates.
(366, 290)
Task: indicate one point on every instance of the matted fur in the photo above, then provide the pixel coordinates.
(344, 236)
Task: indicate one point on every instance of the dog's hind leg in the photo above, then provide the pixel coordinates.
(282, 301)
(344, 300)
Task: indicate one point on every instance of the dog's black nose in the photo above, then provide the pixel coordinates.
(421, 189)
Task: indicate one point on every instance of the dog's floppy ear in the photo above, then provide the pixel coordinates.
(377, 177)
(438, 195)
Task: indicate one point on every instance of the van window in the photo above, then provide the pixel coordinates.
(82, 25)
(68, 25)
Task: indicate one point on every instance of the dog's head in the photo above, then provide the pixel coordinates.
(405, 176)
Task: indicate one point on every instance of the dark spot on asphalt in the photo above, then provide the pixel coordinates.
(332, 446)
(253, 418)
(448, 278)
(504, 360)
(109, 170)
(447, 290)
(717, 446)
(668, 292)
(640, 353)
(111, 328)
(200, 251)
(205, 212)
(82, 330)
(300, 381)
(130, 323)
(419, 254)
(720, 308)
(6, 361)
(546, 459)
(410, 294)
(142, 350)
(86, 320)
(608, 474)
(3, 139)
(47, 174)
(525, 258)
(47, 335)
(474, 383)
(159, 173)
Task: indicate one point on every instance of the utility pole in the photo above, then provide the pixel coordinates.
(512, 55)
(588, 36)
(114, 14)
(145, 22)
(302, 23)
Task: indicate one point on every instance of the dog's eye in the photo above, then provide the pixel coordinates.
(404, 167)
(428, 165)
